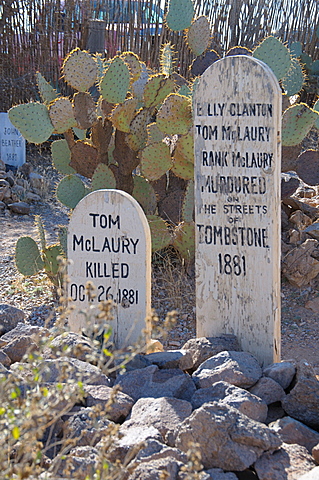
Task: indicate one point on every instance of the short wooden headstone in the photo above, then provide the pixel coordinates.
(109, 245)
(12, 143)
(237, 109)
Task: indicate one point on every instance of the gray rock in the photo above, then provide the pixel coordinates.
(80, 463)
(19, 347)
(238, 368)
(4, 359)
(115, 405)
(86, 426)
(236, 397)
(155, 450)
(227, 439)
(287, 463)
(172, 359)
(153, 382)
(72, 345)
(138, 361)
(203, 348)
(157, 470)
(65, 368)
(23, 329)
(311, 475)
(292, 431)
(302, 402)
(9, 317)
(219, 474)
(282, 372)
(268, 389)
(165, 414)
(22, 208)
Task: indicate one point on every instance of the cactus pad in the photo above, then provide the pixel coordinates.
(70, 191)
(103, 177)
(185, 146)
(154, 134)
(295, 78)
(198, 35)
(115, 81)
(40, 229)
(139, 85)
(144, 193)
(201, 63)
(50, 256)
(137, 137)
(84, 109)
(84, 158)
(188, 203)
(134, 65)
(161, 236)
(296, 123)
(275, 54)
(46, 91)
(157, 89)
(175, 115)
(80, 70)
(296, 49)
(63, 239)
(184, 240)
(155, 160)
(123, 114)
(33, 121)
(182, 168)
(27, 257)
(62, 115)
(180, 14)
(307, 167)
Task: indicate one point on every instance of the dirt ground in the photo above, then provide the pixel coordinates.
(172, 288)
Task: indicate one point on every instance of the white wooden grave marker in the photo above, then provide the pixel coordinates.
(237, 108)
(12, 143)
(109, 244)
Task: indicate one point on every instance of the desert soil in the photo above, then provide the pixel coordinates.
(172, 288)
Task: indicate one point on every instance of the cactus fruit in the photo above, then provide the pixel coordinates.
(275, 54)
(160, 234)
(115, 82)
(175, 115)
(27, 257)
(70, 191)
(123, 114)
(201, 63)
(84, 158)
(296, 123)
(198, 35)
(307, 167)
(46, 91)
(295, 78)
(144, 193)
(184, 241)
(167, 59)
(155, 160)
(80, 70)
(62, 115)
(103, 177)
(188, 203)
(33, 121)
(135, 68)
(156, 90)
(180, 14)
(84, 109)
(182, 168)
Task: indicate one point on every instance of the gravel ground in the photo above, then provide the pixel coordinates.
(172, 288)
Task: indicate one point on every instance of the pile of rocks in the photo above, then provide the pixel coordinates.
(19, 190)
(208, 400)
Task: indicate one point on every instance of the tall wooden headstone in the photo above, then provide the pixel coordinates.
(109, 246)
(237, 109)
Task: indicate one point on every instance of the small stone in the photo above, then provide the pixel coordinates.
(116, 405)
(293, 431)
(282, 372)
(268, 389)
(10, 317)
(20, 207)
(315, 453)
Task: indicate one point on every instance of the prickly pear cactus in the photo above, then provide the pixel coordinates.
(33, 121)
(156, 160)
(84, 110)
(296, 123)
(167, 59)
(115, 82)
(156, 90)
(182, 168)
(84, 150)
(80, 70)
(103, 177)
(70, 191)
(144, 193)
(122, 115)
(62, 115)
(50, 257)
(275, 54)
(28, 257)
(135, 67)
(295, 78)
(180, 14)
(46, 91)
(175, 115)
(61, 156)
(160, 234)
(184, 241)
(198, 36)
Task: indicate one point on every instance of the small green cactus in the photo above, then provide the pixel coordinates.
(180, 14)
(277, 56)
(198, 36)
(33, 121)
(61, 156)
(297, 122)
(70, 191)
(27, 257)
(46, 91)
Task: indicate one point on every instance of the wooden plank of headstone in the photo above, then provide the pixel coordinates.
(109, 245)
(237, 121)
